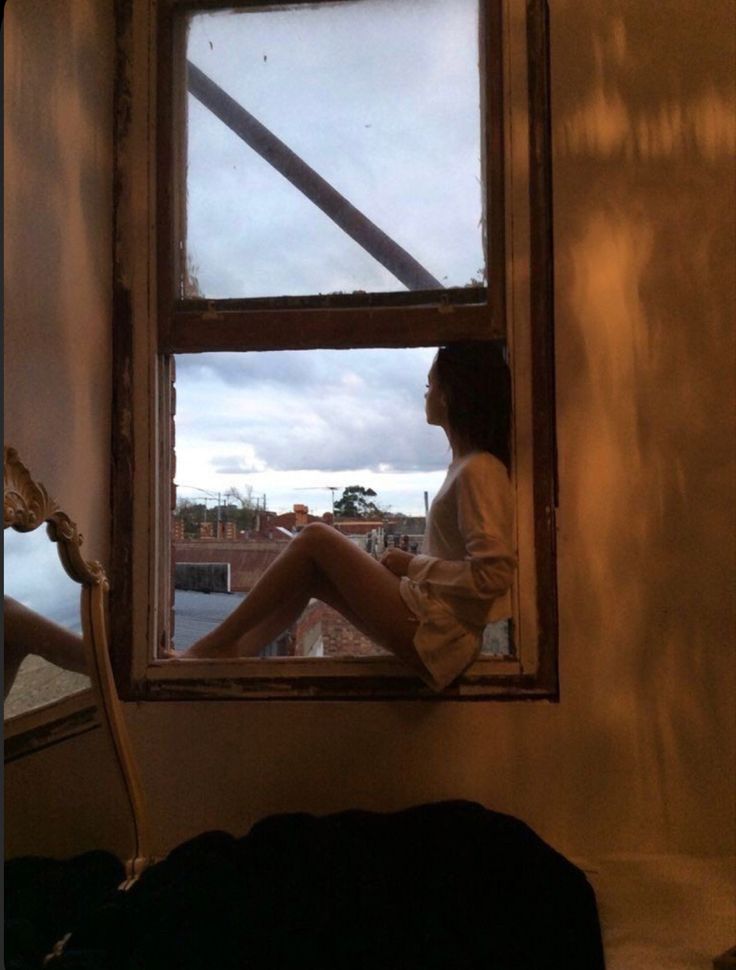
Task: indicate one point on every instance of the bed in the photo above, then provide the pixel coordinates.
(440, 886)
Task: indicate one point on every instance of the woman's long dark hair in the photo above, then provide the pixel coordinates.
(476, 382)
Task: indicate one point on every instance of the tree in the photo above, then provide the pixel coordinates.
(237, 506)
(191, 513)
(242, 507)
(354, 504)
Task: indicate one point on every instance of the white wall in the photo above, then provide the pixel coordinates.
(639, 753)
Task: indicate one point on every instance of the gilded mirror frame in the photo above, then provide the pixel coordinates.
(26, 507)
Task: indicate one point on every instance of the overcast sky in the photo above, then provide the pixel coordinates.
(381, 98)
(33, 575)
(287, 422)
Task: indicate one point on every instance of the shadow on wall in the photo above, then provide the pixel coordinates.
(644, 135)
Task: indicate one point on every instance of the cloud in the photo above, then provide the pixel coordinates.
(34, 576)
(237, 465)
(330, 410)
(377, 445)
(243, 369)
(395, 372)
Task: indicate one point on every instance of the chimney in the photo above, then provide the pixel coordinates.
(300, 516)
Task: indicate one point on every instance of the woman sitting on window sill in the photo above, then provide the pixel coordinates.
(428, 609)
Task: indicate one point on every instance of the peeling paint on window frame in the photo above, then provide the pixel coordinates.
(150, 325)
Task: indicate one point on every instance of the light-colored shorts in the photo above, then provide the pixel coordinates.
(445, 646)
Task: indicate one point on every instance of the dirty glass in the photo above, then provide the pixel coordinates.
(356, 165)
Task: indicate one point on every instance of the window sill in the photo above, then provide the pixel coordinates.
(345, 679)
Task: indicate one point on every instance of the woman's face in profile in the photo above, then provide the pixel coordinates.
(434, 400)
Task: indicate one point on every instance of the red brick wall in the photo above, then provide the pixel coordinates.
(339, 637)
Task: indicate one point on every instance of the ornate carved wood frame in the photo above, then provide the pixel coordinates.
(26, 507)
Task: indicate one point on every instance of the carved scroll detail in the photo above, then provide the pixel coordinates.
(27, 505)
(63, 531)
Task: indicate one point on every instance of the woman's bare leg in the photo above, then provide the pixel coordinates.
(252, 642)
(14, 653)
(28, 632)
(319, 563)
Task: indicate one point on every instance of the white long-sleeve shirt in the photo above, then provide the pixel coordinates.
(462, 579)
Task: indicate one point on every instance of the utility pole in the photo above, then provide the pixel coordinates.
(212, 495)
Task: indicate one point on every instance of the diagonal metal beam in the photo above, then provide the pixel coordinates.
(351, 220)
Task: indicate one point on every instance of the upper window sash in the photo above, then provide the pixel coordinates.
(415, 316)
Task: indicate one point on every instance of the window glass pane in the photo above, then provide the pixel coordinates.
(266, 442)
(381, 100)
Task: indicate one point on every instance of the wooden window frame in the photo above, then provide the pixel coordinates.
(151, 324)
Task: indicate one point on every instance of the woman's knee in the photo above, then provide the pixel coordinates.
(316, 534)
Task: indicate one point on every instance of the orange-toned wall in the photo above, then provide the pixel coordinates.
(639, 753)
(57, 337)
(58, 250)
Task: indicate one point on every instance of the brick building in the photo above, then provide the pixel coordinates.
(322, 631)
(247, 560)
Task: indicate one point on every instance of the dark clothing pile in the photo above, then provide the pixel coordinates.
(45, 898)
(444, 886)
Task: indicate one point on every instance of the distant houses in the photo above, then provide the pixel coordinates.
(269, 527)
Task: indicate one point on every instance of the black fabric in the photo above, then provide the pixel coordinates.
(444, 886)
(44, 898)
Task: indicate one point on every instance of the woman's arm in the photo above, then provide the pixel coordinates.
(397, 561)
(484, 507)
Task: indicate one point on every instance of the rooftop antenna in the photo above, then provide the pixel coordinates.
(316, 488)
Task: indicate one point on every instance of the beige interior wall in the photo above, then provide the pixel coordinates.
(58, 62)
(639, 753)
(58, 59)
(67, 799)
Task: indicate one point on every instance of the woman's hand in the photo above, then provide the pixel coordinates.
(397, 561)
